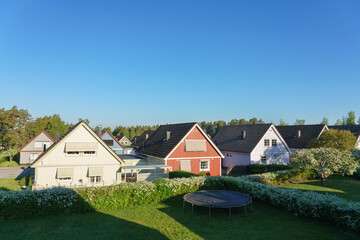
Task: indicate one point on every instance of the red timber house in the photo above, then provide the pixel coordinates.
(184, 147)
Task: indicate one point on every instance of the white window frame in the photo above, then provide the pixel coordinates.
(32, 156)
(208, 166)
(95, 182)
(37, 143)
(89, 155)
(261, 159)
(73, 155)
(266, 141)
(272, 142)
(63, 180)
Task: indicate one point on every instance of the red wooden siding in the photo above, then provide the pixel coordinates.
(195, 157)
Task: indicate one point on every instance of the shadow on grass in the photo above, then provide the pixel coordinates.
(79, 221)
(263, 221)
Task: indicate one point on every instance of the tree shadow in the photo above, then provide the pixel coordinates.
(263, 221)
(88, 225)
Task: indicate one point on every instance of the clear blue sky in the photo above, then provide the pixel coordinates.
(155, 62)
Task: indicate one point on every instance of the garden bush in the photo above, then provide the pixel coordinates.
(130, 194)
(263, 168)
(19, 204)
(309, 204)
(181, 174)
(23, 204)
(257, 169)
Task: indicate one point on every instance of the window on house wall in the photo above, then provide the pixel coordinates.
(95, 180)
(65, 179)
(41, 144)
(109, 142)
(89, 153)
(72, 153)
(204, 165)
(274, 142)
(266, 142)
(33, 156)
(263, 159)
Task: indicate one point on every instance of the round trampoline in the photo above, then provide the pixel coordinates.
(217, 199)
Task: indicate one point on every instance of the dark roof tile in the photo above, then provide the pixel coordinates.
(229, 138)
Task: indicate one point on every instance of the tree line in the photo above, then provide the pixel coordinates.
(212, 128)
(17, 126)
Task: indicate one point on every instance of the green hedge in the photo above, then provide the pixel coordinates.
(130, 194)
(257, 169)
(181, 174)
(264, 168)
(20, 204)
(23, 204)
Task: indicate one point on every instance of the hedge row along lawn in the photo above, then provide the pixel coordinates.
(168, 221)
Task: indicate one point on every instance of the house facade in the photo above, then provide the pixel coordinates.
(298, 137)
(113, 143)
(123, 140)
(79, 158)
(33, 149)
(183, 147)
(355, 129)
(252, 144)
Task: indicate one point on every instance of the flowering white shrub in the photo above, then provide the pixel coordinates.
(50, 201)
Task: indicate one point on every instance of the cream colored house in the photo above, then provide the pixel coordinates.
(80, 158)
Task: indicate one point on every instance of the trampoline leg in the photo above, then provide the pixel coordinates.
(230, 213)
(184, 206)
(209, 212)
(192, 209)
(245, 211)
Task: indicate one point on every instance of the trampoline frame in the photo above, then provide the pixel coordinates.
(212, 206)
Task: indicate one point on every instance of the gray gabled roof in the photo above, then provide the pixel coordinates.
(229, 138)
(155, 144)
(355, 129)
(308, 133)
(139, 140)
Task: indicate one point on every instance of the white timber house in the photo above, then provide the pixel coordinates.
(252, 144)
(81, 158)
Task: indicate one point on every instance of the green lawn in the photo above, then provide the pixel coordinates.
(4, 162)
(168, 221)
(344, 187)
(9, 184)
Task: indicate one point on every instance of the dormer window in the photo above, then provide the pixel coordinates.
(266, 142)
(274, 142)
(72, 153)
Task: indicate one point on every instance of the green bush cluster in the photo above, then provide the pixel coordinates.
(181, 174)
(257, 169)
(23, 204)
(309, 204)
(288, 176)
(19, 204)
(130, 194)
(264, 168)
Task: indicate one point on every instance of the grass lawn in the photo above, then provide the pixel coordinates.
(168, 221)
(9, 184)
(344, 187)
(4, 162)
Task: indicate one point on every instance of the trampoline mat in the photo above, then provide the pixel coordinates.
(218, 198)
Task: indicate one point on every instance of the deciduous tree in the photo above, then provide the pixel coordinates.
(324, 161)
(333, 138)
